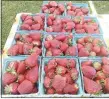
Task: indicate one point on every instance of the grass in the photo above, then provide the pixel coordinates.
(102, 7)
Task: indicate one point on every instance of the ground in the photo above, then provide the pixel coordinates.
(11, 8)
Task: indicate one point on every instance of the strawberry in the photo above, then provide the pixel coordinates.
(80, 40)
(89, 29)
(49, 22)
(8, 78)
(62, 61)
(25, 87)
(20, 47)
(29, 22)
(17, 36)
(88, 39)
(28, 17)
(36, 36)
(71, 89)
(47, 44)
(59, 83)
(35, 90)
(71, 51)
(50, 91)
(52, 64)
(60, 37)
(20, 78)
(100, 75)
(79, 13)
(14, 50)
(11, 88)
(53, 3)
(46, 69)
(47, 82)
(107, 85)
(91, 86)
(48, 53)
(79, 46)
(26, 48)
(37, 19)
(21, 68)
(104, 51)
(49, 29)
(63, 47)
(88, 62)
(51, 10)
(69, 12)
(60, 70)
(89, 72)
(57, 28)
(70, 25)
(78, 26)
(36, 27)
(71, 63)
(36, 50)
(61, 7)
(84, 10)
(25, 27)
(50, 73)
(36, 43)
(55, 44)
(97, 65)
(31, 60)
(74, 74)
(96, 49)
(105, 69)
(57, 52)
(32, 74)
(12, 67)
(83, 52)
(68, 78)
(92, 53)
(80, 31)
(23, 16)
(49, 38)
(88, 46)
(105, 60)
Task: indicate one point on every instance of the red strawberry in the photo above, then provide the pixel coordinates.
(49, 29)
(49, 37)
(12, 67)
(11, 88)
(59, 83)
(28, 17)
(79, 13)
(14, 50)
(70, 25)
(50, 73)
(57, 28)
(29, 22)
(91, 86)
(83, 52)
(21, 68)
(49, 22)
(71, 51)
(57, 52)
(100, 75)
(63, 47)
(23, 16)
(88, 62)
(47, 44)
(36, 36)
(78, 26)
(71, 63)
(105, 60)
(89, 29)
(25, 27)
(84, 10)
(48, 53)
(60, 70)
(79, 46)
(20, 46)
(8, 78)
(105, 69)
(80, 31)
(26, 48)
(55, 44)
(61, 7)
(25, 87)
(92, 53)
(36, 50)
(62, 61)
(69, 12)
(17, 36)
(52, 17)
(37, 19)
(50, 91)
(96, 49)
(104, 51)
(80, 40)
(52, 9)
(68, 78)
(47, 82)
(88, 39)
(74, 74)
(32, 60)
(107, 84)
(97, 65)
(71, 89)
(35, 90)
(32, 74)
(53, 3)
(36, 43)
(89, 72)
(20, 78)
(52, 64)
(60, 37)
(36, 27)
(46, 69)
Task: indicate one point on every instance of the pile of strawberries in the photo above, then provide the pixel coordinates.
(96, 76)
(60, 76)
(58, 24)
(59, 45)
(91, 46)
(53, 8)
(35, 22)
(84, 25)
(75, 10)
(26, 44)
(21, 77)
